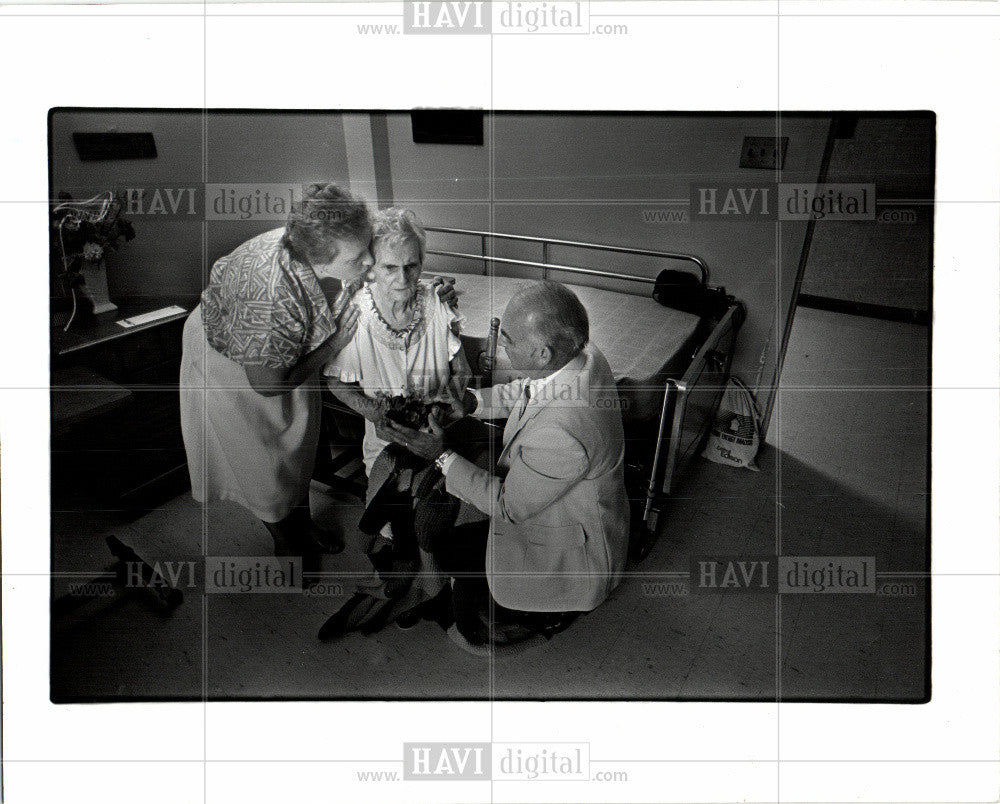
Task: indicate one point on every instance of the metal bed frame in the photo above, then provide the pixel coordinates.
(689, 402)
(545, 265)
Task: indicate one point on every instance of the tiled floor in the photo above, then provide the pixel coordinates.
(844, 474)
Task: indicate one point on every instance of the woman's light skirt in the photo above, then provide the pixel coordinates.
(254, 450)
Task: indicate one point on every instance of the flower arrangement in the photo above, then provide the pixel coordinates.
(410, 410)
(85, 231)
(82, 234)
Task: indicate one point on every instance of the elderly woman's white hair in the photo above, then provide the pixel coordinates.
(395, 226)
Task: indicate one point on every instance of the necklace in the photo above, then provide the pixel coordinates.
(415, 321)
(404, 334)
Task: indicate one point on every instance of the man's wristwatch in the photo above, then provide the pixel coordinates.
(444, 456)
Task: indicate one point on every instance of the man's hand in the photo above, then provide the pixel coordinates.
(456, 408)
(427, 445)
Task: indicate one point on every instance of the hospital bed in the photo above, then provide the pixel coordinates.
(670, 366)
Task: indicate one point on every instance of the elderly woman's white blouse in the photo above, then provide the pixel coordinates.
(415, 361)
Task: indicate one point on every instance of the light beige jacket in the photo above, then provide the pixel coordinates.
(559, 515)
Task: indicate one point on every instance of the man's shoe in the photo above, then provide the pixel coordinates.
(325, 541)
(409, 619)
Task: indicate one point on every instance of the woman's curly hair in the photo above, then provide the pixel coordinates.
(397, 225)
(325, 215)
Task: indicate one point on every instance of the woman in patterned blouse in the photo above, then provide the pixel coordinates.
(274, 313)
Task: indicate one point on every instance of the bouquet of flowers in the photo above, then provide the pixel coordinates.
(82, 233)
(409, 410)
(86, 231)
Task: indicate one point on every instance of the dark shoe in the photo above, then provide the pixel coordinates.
(470, 599)
(285, 547)
(473, 629)
(409, 619)
(510, 633)
(398, 580)
(313, 546)
(558, 624)
(326, 541)
(380, 615)
(440, 608)
(344, 620)
(437, 610)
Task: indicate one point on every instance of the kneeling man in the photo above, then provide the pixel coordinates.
(559, 515)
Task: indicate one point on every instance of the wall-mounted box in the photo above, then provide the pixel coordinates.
(765, 153)
(447, 126)
(101, 146)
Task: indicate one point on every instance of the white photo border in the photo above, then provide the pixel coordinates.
(737, 56)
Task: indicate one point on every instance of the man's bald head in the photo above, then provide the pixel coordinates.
(552, 315)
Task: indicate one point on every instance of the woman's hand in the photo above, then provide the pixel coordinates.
(272, 382)
(351, 396)
(347, 325)
(445, 290)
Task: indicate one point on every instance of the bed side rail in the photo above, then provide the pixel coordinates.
(545, 264)
(699, 393)
(689, 408)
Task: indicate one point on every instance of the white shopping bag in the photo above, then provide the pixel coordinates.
(735, 436)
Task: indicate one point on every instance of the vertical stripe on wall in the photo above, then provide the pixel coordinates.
(380, 155)
(360, 160)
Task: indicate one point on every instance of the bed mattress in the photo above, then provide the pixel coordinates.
(637, 334)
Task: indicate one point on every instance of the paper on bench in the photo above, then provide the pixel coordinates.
(146, 318)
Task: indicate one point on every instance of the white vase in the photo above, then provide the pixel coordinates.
(95, 278)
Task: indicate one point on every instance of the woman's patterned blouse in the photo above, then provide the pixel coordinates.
(262, 308)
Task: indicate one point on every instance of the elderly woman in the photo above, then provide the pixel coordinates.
(274, 312)
(407, 340)
(407, 343)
